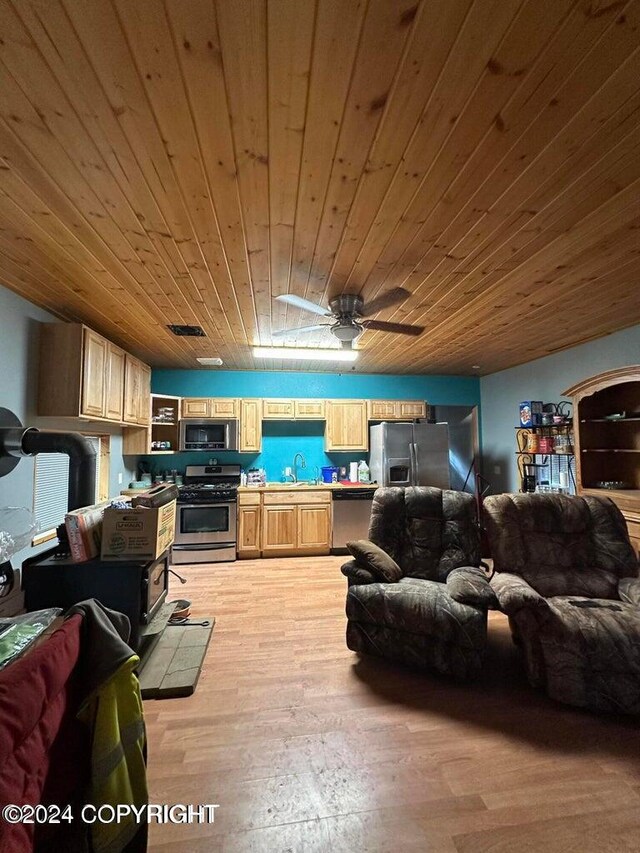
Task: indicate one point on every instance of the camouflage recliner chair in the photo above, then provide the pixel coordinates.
(422, 602)
(566, 576)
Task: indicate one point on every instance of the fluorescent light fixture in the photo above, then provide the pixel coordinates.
(210, 362)
(306, 353)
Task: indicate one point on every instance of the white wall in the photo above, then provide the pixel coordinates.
(543, 379)
(19, 326)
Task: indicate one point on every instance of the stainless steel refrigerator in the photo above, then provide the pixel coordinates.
(410, 454)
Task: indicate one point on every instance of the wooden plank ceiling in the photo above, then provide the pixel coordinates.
(185, 161)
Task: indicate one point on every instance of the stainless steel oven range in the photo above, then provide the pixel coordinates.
(206, 518)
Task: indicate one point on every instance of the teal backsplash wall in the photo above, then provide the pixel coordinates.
(282, 439)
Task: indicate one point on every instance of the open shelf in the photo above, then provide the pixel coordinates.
(608, 420)
(610, 450)
(546, 426)
(539, 453)
(165, 431)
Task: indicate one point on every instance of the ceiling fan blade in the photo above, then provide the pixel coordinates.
(385, 300)
(305, 304)
(396, 328)
(282, 333)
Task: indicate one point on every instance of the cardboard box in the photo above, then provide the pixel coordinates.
(137, 534)
(84, 531)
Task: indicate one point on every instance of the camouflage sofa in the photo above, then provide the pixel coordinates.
(435, 615)
(566, 576)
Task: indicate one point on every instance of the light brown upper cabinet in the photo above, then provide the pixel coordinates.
(209, 407)
(82, 374)
(280, 410)
(293, 410)
(137, 391)
(396, 410)
(250, 426)
(223, 407)
(114, 392)
(347, 427)
(95, 376)
(195, 407)
(311, 410)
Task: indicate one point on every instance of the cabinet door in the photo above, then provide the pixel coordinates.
(279, 528)
(137, 396)
(347, 426)
(223, 407)
(411, 409)
(277, 410)
(94, 371)
(250, 425)
(312, 410)
(195, 407)
(114, 395)
(314, 527)
(382, 410)
(144, 397)
(249, 529)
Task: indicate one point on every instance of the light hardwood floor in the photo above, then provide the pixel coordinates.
(307, 748)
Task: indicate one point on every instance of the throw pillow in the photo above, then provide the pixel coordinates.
(379, 563)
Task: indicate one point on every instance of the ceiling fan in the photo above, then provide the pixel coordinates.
(349, 312)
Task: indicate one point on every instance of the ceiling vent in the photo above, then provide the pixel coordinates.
(187, 331)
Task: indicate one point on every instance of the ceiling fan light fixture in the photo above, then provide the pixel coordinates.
(306, 353)
(347, 331)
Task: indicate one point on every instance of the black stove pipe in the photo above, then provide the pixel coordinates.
(82, 461)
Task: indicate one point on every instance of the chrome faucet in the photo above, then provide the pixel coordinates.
(303, 464)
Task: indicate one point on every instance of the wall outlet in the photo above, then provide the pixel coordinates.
(120, 478)
(288, 472)
(497, 469)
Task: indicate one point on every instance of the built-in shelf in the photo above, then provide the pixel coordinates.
(160, 452)
(607, 420)
(610, 449)
(610, 453)
(623, 493)
(163, 423)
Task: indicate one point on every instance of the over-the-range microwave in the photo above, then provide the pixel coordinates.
(208, 434)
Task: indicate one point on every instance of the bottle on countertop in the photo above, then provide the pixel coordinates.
(243, 478)
(364, 475)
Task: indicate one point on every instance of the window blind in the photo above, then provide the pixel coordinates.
(52, 486)
(51, 489)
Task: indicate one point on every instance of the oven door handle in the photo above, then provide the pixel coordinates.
(208, 505)
(217, 546)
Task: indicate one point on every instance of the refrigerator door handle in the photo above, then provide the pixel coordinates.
(416, 464)
(412, 458)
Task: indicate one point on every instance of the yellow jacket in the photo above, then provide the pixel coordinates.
(114, 715)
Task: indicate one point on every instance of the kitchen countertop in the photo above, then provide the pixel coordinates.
(305, 487)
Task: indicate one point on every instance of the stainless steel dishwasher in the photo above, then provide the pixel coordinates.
(351, 512)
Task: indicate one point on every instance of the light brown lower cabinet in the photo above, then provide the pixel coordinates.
(249, 531)
(314, 527)
(279, 528)
(280, 523)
